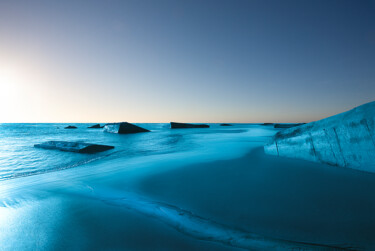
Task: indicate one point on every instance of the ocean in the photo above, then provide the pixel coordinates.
(18, 157)
(181, 189)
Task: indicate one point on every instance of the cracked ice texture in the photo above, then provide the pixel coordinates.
(346, 139)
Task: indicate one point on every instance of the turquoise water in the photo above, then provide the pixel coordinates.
(19, 158)
(185, 189)
(38, 185)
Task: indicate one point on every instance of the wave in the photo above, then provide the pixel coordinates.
(55, 168)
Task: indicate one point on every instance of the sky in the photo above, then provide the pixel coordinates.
(187, 61)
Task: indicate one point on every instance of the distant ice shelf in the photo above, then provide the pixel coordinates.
(346, 139)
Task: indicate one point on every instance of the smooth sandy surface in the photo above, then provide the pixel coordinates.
(226, 194)
(275, 197)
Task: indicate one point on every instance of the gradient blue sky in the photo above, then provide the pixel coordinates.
(192, 61)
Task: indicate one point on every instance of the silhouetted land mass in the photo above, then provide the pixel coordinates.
(70, 127)
(175, 125)
(95, 126)
(287, 125)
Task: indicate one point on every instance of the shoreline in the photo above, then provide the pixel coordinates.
(273, 199)
(287, 199)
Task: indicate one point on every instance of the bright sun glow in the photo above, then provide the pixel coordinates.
(9, 82)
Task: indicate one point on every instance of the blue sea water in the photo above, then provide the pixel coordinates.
(19, 158)
(36, 184)
(184, 189)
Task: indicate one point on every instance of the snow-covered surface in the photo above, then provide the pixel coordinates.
(346, 139)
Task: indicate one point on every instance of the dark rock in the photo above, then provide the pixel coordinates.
(175, 125)
(70, 127)
(266, 124)
(77, 147)
(95, 126)
(123, 128)
(225, 125)
(287, 125)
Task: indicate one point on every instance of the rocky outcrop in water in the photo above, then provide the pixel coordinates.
(225, 124)
(123, 128)
(287, 125)
(78, 147)
(97, 126)
(175, 125)
(346, 139)
(70, 127)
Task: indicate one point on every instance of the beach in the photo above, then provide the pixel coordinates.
(193, 189)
